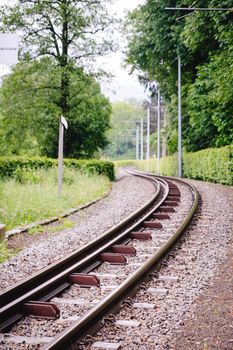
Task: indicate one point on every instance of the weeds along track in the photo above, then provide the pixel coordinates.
(62, 305)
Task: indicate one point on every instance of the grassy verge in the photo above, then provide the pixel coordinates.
(5, 253)
(32, 196)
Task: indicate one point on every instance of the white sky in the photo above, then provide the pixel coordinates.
(123, 86)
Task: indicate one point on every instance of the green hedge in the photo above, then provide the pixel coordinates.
(8, 165)
(213, 164)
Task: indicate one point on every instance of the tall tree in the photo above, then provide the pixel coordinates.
(156, 36)
(30, 98)
(70, 32)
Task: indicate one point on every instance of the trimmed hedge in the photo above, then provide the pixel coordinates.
(8, 165)
(212, 164)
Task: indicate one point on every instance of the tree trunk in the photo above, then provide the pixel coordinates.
(64, 64)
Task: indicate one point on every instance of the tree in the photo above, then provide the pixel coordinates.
(200, 39)
(122, 135)
(28, 120)
(210, 104)
(69, 32)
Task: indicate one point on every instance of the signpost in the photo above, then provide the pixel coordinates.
(62, 124)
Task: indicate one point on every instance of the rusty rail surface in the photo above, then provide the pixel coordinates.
(15, 302)
(91, 321)
(32, 295)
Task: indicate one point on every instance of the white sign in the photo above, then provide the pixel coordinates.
(64, 122)
(9, 47)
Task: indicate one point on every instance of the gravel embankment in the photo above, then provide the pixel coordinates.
(74, 301)
(189, 306)
(193, 309)
(127, 195)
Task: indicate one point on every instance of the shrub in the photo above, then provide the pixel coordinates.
(22, 168)
(212, 164)
(25, 176)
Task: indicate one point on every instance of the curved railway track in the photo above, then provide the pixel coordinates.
(87, 270)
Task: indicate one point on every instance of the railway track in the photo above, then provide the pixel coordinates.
(73, 297)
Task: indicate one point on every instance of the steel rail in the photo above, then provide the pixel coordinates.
(37, 278)
(164, 177)
(10, 313)
(129, 287)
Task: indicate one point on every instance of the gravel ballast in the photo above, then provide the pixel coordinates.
(75, 300)
(183, 316)
(187, 306)
(127, 195)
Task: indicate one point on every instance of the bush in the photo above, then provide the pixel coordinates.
(213, 164)
(98, 167)
(24, 176)
(23, 168)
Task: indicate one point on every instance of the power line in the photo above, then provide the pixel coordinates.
(199, 9)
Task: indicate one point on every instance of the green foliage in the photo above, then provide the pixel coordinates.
(204, 42)
(62, 225)
(209, 104)
(10, 165)
(214, 165)
(24, 176)
(59, 41)
(99, 167)
(38, 229)
(168, 165)
(64, 30)
(30, 202)
(5, 253)
(23, 168)
(29, 117)
(122, 135)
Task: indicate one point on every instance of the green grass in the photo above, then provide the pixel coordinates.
(32, 196)
(5, 253)
(62, 224)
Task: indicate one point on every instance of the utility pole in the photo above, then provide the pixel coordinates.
(116, 145)
(179, 121)
(192, 10)
(137, 141)
(158, 130)
(141, 138)
(164, 147)
(148, 139)
(148, 134)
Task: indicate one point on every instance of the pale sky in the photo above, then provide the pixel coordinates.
(123, 86)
